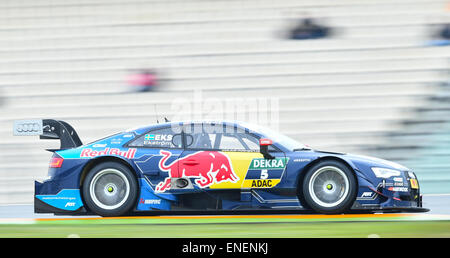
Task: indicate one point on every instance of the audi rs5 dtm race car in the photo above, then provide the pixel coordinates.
(211, 166)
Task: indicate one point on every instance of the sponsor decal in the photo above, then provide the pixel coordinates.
(302, 160)
(158, 139)
(149, 137)
(261, 163)
(207, 167)
(152, 201)
(28, 127)
(414, 184)
(262, 183)
(67, 199)
(264, 173)
(90, 153)
(366, 194)
(398, 179)
(148, 200)
(116, 141)
(398, 189)
(70, 204)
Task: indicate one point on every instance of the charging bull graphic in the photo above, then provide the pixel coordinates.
(209, 167)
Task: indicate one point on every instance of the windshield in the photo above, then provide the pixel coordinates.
(279, 138)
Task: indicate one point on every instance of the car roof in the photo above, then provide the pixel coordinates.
(145, 128)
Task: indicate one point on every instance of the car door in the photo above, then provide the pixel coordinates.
(219, 156)
(157, 152)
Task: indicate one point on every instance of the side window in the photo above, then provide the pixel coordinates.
(251, 141)
(161, 138)
(219, 137)
(198, 138)
(230, 142)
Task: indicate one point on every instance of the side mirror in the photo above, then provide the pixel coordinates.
(264, 148)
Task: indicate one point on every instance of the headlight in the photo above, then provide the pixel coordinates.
(385, 172)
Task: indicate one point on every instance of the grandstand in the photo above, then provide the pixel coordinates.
(424, 142)
(371, 88)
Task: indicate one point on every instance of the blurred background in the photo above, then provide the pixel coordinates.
(365, 77)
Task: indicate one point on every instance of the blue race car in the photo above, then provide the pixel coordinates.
(211, 166)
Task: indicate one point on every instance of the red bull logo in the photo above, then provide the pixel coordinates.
(208, 167)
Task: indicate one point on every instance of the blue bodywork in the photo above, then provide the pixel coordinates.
(61, 193)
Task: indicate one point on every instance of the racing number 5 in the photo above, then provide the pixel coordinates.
(264, 174)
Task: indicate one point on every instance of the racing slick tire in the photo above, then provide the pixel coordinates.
(110, 189)
(329, 187)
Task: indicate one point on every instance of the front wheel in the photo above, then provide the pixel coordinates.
(110, 189)
(329, 187)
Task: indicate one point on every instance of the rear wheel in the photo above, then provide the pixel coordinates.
(110, 189)
(329, 187)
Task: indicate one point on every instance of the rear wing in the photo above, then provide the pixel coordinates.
(49, 129)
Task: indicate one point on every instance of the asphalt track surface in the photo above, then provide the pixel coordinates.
(439, 205)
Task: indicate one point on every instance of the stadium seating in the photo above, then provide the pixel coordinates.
(423, 142)
(358, 91)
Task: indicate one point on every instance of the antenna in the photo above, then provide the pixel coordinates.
(156, 113)
(167, 120)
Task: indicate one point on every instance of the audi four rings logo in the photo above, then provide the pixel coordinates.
(28, 127)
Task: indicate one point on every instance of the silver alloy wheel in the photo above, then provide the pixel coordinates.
(109, 189)
(329, 186)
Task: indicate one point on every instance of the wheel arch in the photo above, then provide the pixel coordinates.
(94, 162)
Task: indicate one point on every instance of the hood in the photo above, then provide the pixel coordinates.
(376, 162)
